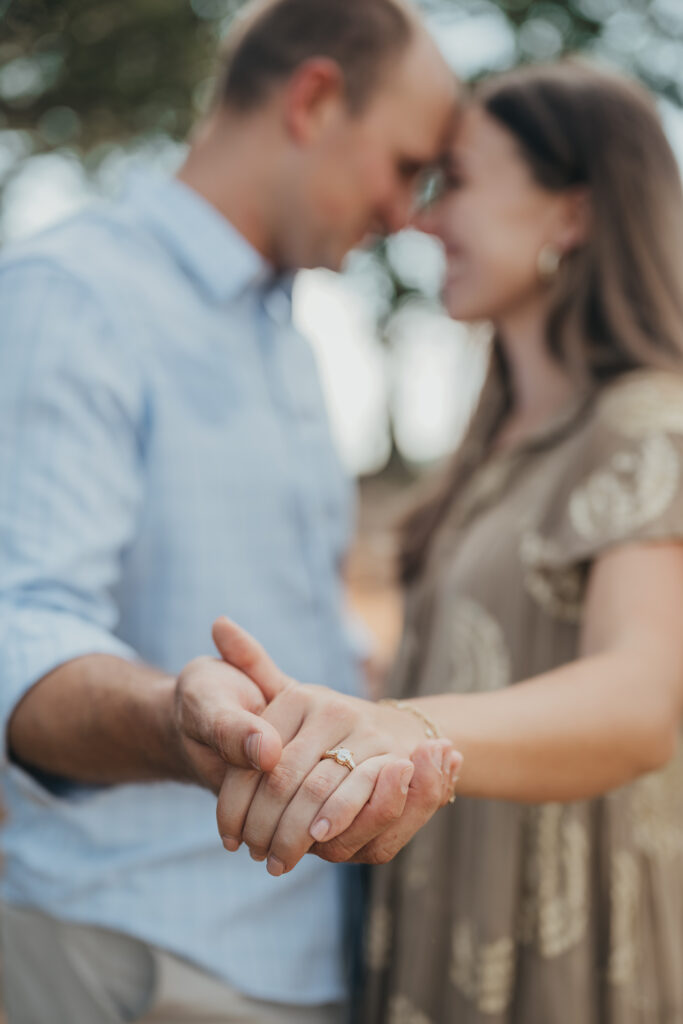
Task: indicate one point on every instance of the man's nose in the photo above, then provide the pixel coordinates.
(398, 212)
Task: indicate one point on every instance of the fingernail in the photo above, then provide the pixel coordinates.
(230, 843)
(252, 749)
(275, 866)
(256, 855)
(406, 776)
(319, 829)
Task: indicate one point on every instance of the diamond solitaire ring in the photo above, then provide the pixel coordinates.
(342, 756)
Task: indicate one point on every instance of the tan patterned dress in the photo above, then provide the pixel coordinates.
(503, 913)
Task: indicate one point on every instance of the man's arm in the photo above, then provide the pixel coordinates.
(102, 719)
(74, 699)
(97, 719)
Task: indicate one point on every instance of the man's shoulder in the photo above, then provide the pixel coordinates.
(99, 249)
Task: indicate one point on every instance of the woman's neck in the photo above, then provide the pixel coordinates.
(541, 388)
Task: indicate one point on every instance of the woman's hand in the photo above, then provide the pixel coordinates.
(308, 798)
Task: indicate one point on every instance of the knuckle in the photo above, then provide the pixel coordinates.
(332, 854)
(305, 694)
(281, 848)
(336, 851)
(432, 797)
(386, 812)
(379, 853)
(370, 770)
(282, 781)
(342, 807)
(428, 788)
(253, 839)
(222, 735)
(294, 699)
(196, 665)
(316, 787)
(336, 711)
(287, 851)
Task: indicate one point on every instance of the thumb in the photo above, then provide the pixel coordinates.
(239, 649)
(245, 740)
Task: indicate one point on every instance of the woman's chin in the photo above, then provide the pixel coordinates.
(459, 308)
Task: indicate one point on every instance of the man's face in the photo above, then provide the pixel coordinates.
(361, 176)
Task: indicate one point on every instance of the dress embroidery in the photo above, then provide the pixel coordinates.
(583, 904)
(479, 655)
(402, 1011)
(624, 892)
(482, 972)
(632, 490)
(554, 911)
(558, 590)
(655, 807)
(417, 859)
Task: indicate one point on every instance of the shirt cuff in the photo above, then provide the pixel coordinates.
(36, 641)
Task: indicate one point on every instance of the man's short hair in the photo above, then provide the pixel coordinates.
(273, 38)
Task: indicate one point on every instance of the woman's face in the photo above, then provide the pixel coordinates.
(494, 220)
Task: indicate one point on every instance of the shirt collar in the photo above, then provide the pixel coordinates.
(201, 239)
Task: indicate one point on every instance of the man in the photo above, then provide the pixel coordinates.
(164, 459)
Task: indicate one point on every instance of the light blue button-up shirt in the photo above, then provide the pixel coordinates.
(165, 458)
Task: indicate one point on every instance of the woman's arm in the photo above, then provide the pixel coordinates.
(580, 730)
(598, 722)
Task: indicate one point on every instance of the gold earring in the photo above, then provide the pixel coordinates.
(548, 262)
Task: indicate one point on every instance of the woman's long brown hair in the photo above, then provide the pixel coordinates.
(617, 301)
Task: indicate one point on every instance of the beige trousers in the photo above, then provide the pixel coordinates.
(55, 972)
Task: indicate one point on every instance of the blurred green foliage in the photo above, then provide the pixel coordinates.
(87, 74)
(87, 77)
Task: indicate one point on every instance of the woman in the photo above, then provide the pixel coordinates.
(552, 555)
(552, 892)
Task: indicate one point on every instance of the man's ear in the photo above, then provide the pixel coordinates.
(575, 219)
(314, 95)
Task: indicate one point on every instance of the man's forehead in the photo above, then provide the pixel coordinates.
(424, 121)
(424, 86)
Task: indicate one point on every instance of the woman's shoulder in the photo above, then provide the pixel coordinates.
(641, 403)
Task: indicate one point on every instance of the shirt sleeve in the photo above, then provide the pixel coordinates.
(625, 486)
(71, 414)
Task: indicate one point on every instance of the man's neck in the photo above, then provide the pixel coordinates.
(225, 165)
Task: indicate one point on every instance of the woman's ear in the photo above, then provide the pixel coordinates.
(575, 218)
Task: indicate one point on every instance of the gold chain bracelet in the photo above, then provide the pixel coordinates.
(428, 725)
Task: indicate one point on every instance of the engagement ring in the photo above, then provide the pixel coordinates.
(342, 756)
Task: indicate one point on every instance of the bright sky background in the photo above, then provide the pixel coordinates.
(437, 368)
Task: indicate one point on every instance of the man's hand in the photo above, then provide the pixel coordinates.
(102, 719)
(373, 810)
(218, 710)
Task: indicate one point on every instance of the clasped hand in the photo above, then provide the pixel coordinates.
(258, 739)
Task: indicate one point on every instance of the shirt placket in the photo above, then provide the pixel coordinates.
(296, 400)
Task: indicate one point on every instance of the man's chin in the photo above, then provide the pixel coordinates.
(334, 257)
(331, 261)
(369, 241)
